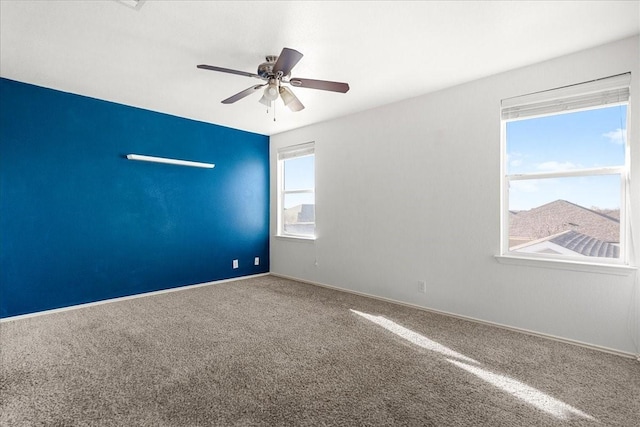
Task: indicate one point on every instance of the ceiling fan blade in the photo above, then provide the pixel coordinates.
(287, 60)
(238, 96)
(290, 100)
(227, 70)
(319, 84)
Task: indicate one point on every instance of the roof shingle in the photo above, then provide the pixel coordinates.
(561, 215)
(586, 245)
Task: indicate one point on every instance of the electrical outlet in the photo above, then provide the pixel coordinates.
(235, 263)
(256, 261)
(423, 286)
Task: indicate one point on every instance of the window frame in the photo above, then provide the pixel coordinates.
(284, 154)
(553, 103)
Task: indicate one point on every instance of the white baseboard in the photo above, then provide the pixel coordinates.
(471, 319)
(128, 297)
(431, 310)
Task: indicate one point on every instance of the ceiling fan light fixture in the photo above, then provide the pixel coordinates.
(287, 96)
(265, 101)
(290, 100)
(296, 105)
(271, 91)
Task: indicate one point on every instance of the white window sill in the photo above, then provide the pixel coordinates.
(294, 238)
(589, 267)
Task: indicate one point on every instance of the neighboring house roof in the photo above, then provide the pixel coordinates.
(299, 213)
(571, 243)
(559, 216)
(586, 245)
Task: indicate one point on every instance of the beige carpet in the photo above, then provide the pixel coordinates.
(269, 351)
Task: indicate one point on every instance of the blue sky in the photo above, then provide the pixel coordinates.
(299, 173)
(578, 140)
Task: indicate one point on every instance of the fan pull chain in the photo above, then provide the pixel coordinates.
(274, 111)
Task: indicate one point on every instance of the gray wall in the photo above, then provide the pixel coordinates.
(411, 191)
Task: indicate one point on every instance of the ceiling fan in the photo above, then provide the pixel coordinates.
(276, 72)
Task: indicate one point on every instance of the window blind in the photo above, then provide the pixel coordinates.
(606, 91)
(296, 151)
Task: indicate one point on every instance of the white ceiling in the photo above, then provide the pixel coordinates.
(386, 51)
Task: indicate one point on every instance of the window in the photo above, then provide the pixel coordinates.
(296, 191)
(565, 172)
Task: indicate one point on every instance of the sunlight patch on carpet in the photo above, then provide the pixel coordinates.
(413, 337)
(524, 392)
(517, 389)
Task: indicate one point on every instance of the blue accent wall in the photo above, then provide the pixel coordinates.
(81, 223)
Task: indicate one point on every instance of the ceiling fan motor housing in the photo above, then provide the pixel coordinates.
(265, 70)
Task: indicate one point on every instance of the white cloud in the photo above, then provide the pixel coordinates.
(553, 166)
(514, 159)
(618, 136)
